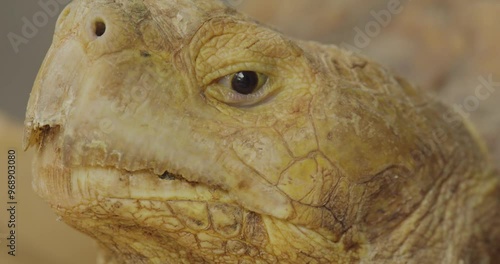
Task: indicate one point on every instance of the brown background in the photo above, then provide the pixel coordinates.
(444, 46)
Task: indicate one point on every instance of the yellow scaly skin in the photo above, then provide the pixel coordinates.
(142, 146)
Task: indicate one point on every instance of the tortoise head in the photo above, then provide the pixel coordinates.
(184, 131)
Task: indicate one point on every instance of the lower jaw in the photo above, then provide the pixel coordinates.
(97, 182)
(88, 197)
(140, 197)
(139, 218)
(66, 187)
(138, 214)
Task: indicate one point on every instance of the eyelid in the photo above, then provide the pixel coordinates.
(244, 99)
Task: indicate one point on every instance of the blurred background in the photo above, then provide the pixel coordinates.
(447, 47)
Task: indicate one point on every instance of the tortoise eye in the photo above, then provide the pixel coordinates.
(244, 82)
(241, 88)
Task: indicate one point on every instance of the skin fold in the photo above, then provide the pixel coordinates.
(142, 144)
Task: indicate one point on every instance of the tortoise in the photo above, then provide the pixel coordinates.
(182, 131)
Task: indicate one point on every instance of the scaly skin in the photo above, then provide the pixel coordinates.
(142, 147)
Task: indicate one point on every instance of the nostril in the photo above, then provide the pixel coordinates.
(99, 27)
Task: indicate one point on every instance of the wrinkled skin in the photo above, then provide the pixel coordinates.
(141, 146)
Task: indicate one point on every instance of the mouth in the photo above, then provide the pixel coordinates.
(170, 176)
(66, 185)
(95, 182)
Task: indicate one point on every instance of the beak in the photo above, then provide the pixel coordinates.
(53, 92)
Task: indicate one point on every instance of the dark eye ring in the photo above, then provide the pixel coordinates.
(244, 82)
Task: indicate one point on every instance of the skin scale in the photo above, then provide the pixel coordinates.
(140, 145)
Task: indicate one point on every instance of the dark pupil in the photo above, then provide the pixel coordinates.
(245, 82)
